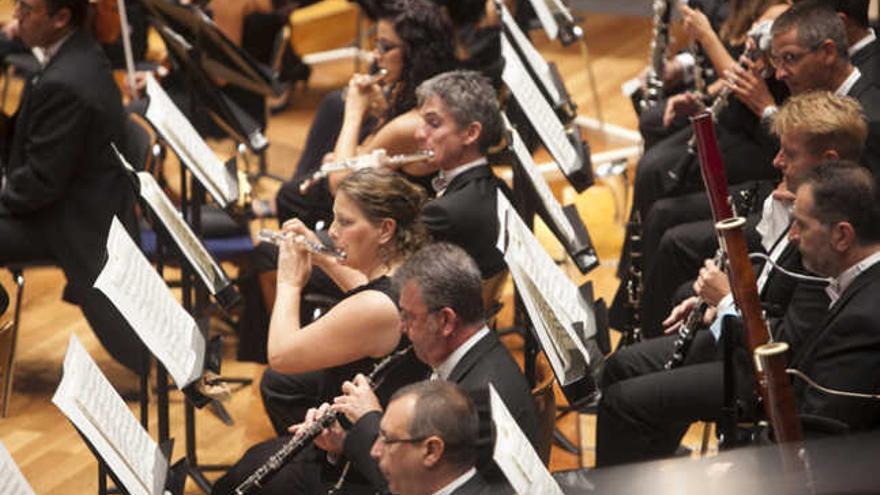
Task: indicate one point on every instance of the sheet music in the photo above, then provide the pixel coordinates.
(533, 57)
(538, 110)
(546, 17)
(94, 407)
(192, 150)
(541, 186)
(12, 482)
(140, 294)
(515, 456)
(208, 270)
(541, 281)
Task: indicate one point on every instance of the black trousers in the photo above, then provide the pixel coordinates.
(645, 410)
(20, 242)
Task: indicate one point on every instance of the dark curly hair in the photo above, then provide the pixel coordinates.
(426, 33)
(382, 193)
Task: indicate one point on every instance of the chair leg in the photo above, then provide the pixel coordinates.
(704, 444)
(9, 365)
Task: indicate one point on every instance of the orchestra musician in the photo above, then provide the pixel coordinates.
(427, 441)
(412, 44)
(62, 182)
(376, 225)
(674, 237)
(645, 409)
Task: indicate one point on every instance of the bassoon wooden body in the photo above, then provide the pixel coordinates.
(774, 386)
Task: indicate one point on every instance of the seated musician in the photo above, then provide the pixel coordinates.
(376, 225)
(412, 44)
(62, 183)
(441, 312)
(427, 441)
(672, 245)
(644, 409)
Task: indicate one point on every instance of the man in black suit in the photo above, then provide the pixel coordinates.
(644, 409)
(62, 182)
(461, 121)
(837, 229)
(864, 51)
(428, 441)
(816, 60)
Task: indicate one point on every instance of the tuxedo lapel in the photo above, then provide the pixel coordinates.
(472, 357)
(462, 179)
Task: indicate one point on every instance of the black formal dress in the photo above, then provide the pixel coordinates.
(63, 183)
(466, 215)
(645, 410)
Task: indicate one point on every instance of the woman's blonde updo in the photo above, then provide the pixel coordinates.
(380, 194)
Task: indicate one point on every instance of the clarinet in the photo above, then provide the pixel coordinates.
(660, 40)
(304, 438)
(688, 330)
(373, 159)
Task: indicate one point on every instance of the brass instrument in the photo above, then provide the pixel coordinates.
(659, 42)
(276, 238)
(304, 438)
(377, 158)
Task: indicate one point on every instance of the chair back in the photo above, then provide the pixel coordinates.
(545, 403)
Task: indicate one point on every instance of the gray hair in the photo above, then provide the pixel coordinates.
(444, 410)
(469, 97)
(815, 23)
(448, 278)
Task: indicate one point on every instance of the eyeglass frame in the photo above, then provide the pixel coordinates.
(391, 441)
(384, 47)
(778, 62)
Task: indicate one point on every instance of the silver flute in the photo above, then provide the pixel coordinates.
(374, 159)
(304, 438)
(275, 237)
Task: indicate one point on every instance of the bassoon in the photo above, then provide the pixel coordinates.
(773, 385)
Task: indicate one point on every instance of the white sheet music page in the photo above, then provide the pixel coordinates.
(183, 236)
(170, 122)
(94, 407)
(538, 110)
(12, 482)
(546, 18)
(532, 55)
(541, 186)
(140, 294)
(545, 287)
(515, 455)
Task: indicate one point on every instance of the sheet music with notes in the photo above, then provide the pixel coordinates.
(94, 407)
(12, 481)
(538, 110)
(208, 270)
(515, 455)
(192, 150)
(541, 187)
(532, 56)
(146, 303)
(552, 300)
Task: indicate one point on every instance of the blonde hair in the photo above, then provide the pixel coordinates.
(827, 121)
(380, 194)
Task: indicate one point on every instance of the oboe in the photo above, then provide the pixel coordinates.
(305, 437)
(276, 238)
(375, 159)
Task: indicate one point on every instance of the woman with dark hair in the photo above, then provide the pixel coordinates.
(412, 44)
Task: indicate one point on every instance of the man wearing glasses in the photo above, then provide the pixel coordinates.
(62, 183)
(427, 441)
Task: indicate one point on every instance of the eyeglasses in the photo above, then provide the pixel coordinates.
(789, 59)
(383, 46)
(407, 318)
(391, 441)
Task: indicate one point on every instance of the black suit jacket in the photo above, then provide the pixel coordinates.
(868, 95)
(476, 486)
(61, 174)
(487, 362)
(868, 61)
(845, 355)
(466, 215)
